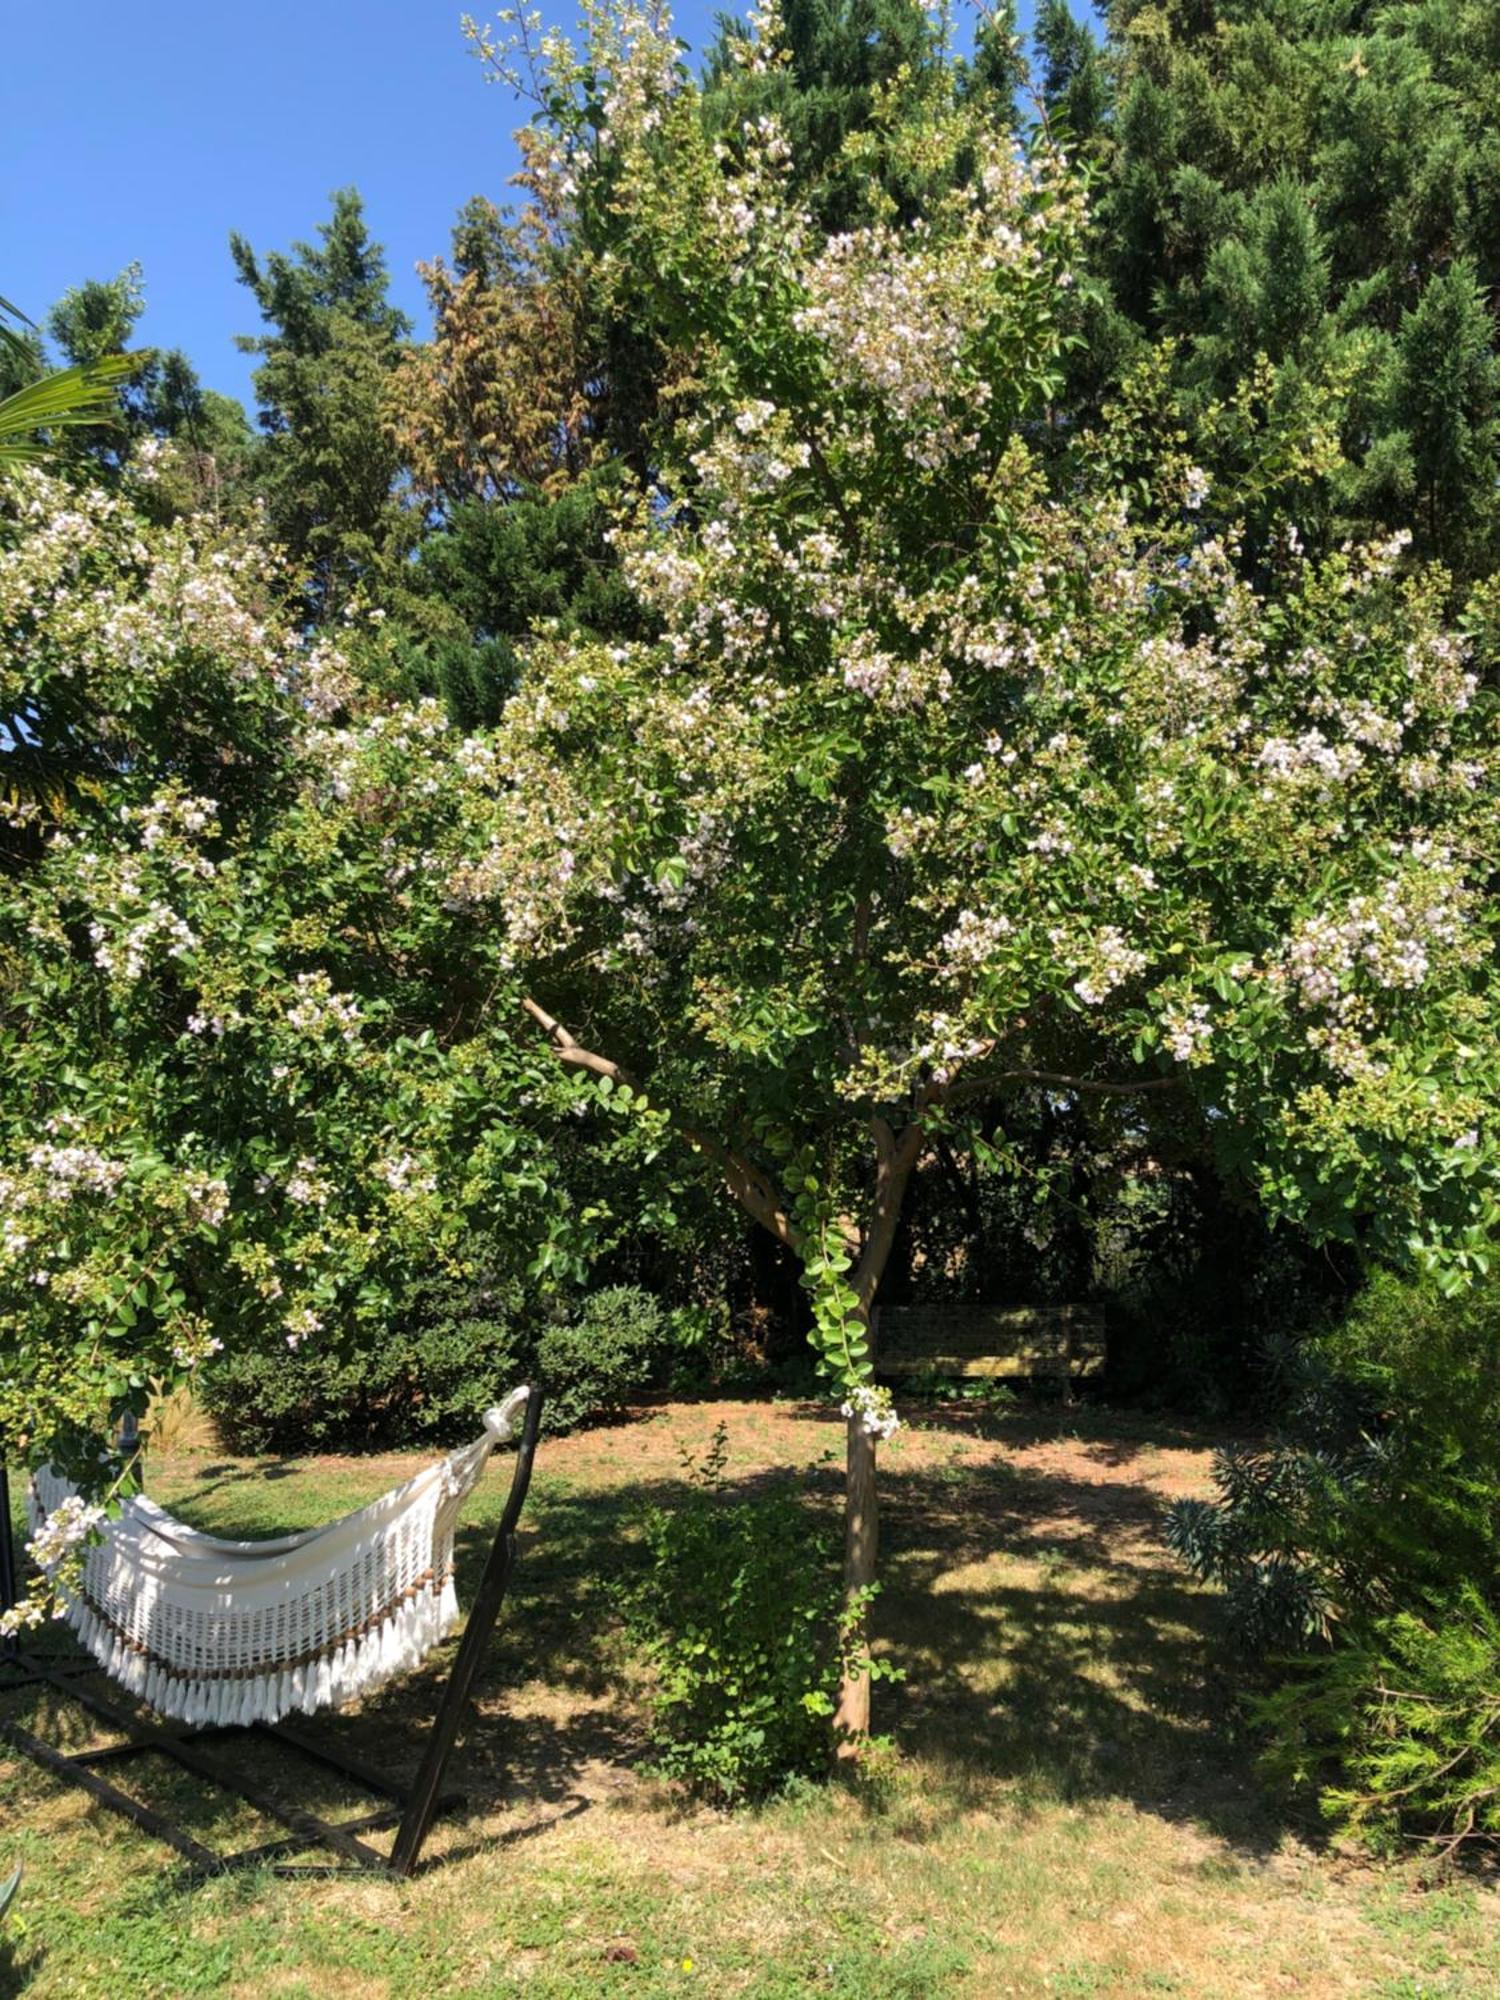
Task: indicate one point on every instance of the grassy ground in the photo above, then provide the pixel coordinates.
(1071, 1815)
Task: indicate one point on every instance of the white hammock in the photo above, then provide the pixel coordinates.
(211, 1631)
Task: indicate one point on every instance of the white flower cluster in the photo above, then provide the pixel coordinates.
(172, 813)
(299, 1323)
(1390, 936)
(476, 758)
(872, 1407)
(1188, 1031)
(948, 1047)
(214, 1025)
(895, 317)
(905, 833)
(66, 1528)
(974, 940)
(1112, 962)
(307, 1186)
(322, 680)
(23, 1617)
(405, 1175)
(317, 1008)
(1310, 755)
(645, 74)
(71, 1170)
(189, 1351)
(207, 1199)
(126, 954)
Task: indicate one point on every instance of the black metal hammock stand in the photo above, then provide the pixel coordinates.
(411, 1809)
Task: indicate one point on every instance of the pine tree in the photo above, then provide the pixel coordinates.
(1282, 186)
(856, 70)
(1446, 389)
(328, 466)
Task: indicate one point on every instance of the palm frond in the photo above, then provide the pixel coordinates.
(81, 395)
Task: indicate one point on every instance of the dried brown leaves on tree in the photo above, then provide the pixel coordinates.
(499, 399)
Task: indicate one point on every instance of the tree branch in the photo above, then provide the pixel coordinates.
(1088, 1086)
(752, 1189)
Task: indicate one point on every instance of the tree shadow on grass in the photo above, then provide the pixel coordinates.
(16, 1974)
(1052, 1654)
(1050, 1651)
(1053, 1651)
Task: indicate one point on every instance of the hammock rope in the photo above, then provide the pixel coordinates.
(221, 1632)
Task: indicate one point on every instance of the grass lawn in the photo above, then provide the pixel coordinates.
(1071, 1813)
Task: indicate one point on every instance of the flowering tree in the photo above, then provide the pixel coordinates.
(940, 785)
(257, 1069)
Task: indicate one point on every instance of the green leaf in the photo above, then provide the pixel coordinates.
(68, 396)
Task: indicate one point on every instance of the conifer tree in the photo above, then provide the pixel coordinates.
(161, 397)
(1289, 184)
(328, 465)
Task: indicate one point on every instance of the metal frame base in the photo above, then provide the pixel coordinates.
(411, 1810)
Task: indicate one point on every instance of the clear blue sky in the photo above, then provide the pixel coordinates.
(148, 133)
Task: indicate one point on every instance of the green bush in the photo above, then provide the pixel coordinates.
(427, 1385)
(1360, 1557)
(740, 1615)
(456, 1347)
(590, 1365)
(1400, 1723)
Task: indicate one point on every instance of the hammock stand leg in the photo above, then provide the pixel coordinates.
(411, 1810)
(423, 1804)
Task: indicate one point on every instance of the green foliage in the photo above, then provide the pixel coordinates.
(593, 1362)
(1401, 1722)
(930, 783)
(491, 574)
(159, 397)
(740, 1614)
(10, 1885)
(250, 1089)
(1073, 83)
(1382, 1484)
(1313, 189)
(853, 72)
(327, 465)
(423, 1374)
(1446, 402)
(1362, 1550)
(426, 1380)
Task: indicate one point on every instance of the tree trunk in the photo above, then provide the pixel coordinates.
(861, 1544)
(895, 1161)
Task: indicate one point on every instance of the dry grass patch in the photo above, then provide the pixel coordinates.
(1072, 1813)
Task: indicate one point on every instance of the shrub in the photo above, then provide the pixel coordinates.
(458, 1345)
(427, 1385)
(1360, 1557)
(1406, 1713)
(591, 1364)
(740, 1614)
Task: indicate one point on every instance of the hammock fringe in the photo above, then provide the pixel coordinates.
(357, 1668)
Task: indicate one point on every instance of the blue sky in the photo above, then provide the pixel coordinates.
(149, 133)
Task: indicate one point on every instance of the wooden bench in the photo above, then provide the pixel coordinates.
(1063, 1342)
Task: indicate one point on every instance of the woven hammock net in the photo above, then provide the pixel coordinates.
(211, 1631)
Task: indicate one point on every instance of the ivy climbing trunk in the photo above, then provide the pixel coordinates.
(861, 1548)
(869, 1250)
